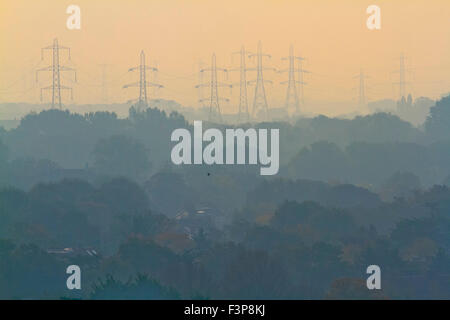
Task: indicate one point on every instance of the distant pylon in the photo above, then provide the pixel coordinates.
(362, 99)
(260, 99)
(104, 85)
(301, 82)
(243, 100)
(215, 113)
(56, 67)
(143, 83)
(292, 94)
(402, 77)
(155, 80)
(214, 106)
(201, 100)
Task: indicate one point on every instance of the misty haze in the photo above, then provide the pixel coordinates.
(356, 150)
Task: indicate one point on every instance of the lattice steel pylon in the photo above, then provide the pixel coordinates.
(260, 99)
(56, 68)
(362, 99)
(215, 113)
(104, 85)
(155, 79)
(201, 100)
(301, 82)
(143, 83)
(293, 94)
(402, 77)
(243, 113)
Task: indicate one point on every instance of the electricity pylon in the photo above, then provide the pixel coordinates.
(292, 94)
(56, 68)
(155, 80)
(260, 99)
(143, 83)
(362, 100)
(104, 66)
(402, 77)
(215, 113)
(301, 83)
(201, 100)
(243, 101)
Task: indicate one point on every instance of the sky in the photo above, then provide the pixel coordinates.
(177, 35)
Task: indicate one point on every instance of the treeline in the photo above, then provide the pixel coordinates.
(300, 250)
(100, 192)
(365, 151)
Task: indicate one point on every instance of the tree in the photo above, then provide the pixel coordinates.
(437, 124)
(352, 289)
(400, 185)
(4, 153)
(121, 155)
(169, 192)
(140, 288)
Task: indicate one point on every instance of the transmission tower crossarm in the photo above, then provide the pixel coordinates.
(64, 68)
(49, 68)
(151, 84)
(134, 84)
(217, 69)
(259, 54)
(65, 87)
(144, 67)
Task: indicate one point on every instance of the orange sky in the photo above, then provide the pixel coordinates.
(331, 34)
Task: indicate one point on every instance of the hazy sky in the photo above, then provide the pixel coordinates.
(331, 34)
